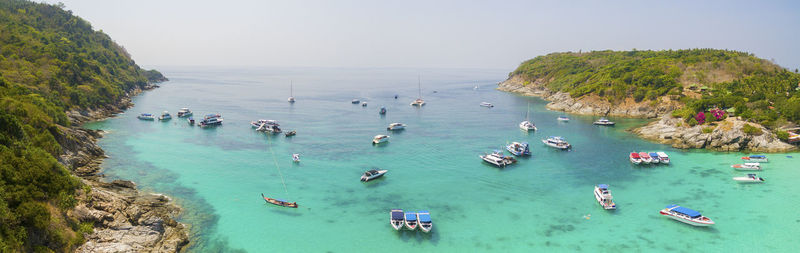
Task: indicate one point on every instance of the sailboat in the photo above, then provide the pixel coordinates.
(419, 101)
(291, 92)
(527, 125)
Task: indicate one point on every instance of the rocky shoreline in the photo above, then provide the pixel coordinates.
(125, 219)
(726, 135)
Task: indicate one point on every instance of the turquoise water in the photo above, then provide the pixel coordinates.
(544, 203)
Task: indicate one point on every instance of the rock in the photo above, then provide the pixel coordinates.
(124, 184)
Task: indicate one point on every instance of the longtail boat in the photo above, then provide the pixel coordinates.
(279, 202)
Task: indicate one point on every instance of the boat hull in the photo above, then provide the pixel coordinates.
(692, 222)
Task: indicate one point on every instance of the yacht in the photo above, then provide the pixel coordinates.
(211, 120)
(165, 116)
(646, 159)
(654, 156)
(527, 125)
(425, 222)
(663, 157)
(380, 139)
(634, 157)
(603, 196)
(291, 92)
(686, 215)
(419, 102)
(750, 178)
(146, 116)
(498, 159)
(396, 219)
(604, 122)
(487, 104)
(556, 142)
(396, 126)
(184, 112)
(563, 118)
(519, 149)
(382, 111)
(372, 174)
(756, 158)
(747, 166)
(410, 221)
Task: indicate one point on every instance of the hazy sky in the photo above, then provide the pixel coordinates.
(481, 34)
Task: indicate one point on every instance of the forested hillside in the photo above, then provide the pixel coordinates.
(701, 79)
(50, 61)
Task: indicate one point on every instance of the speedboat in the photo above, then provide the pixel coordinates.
(165, 116)
(383, 110)
(498, 159)
(264, 125)
(411, 221)
(519, 149)
(191, 121)
(603, 196)
(563, 118)
(372, 174)
(750, 178)
(635, 159)
(527, 126)
(686, 215)
(654, 156)
(396, 219)
(355, 101)
(645, 157)
(756, 158)
(146, 116)
(184, 112)
(425, 223)
(556, 142)
(418, 102)
(291, 133)
(296, 158)
(211, 120)
(663, 157)
(604, 122)
(363, 104)
(747, 166)
(487, 104)
(380, 139)
(396, 126)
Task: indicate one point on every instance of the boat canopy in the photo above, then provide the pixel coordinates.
(686, 211)
(635, 155)
(424, 217)
(411, 216)
(602, 186)
(757, 156)
(147, 114)
(397, 215)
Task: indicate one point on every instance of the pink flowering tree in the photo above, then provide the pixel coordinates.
(719, 114)
(701, 117)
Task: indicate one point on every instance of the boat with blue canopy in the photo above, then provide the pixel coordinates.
(425, 222)
(756, 158)
(603, 196)
(397, 219)
(146, 116)
(411, 221)
(686, 215)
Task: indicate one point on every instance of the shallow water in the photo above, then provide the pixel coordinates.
(543, 203)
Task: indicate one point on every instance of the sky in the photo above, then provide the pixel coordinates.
(432, 34)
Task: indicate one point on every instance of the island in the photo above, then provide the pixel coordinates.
(702, 98)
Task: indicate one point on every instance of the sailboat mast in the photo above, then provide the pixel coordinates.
(291, 88)
(419, 86)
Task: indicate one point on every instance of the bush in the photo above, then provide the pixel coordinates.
(692, 122)
(751, 130)
(782, 135)
(708, 130)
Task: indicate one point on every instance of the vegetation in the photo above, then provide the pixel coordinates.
(701, 79)
(751, 130)
(50, 62)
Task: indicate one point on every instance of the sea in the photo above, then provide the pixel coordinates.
(544, 203)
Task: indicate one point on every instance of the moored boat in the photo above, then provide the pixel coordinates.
(419, 101)
(146, 116)
(291, 92)
(396, 126)
(527, 126)
(184, 112)
(519, 148)
(363, 104)
(279, 202)
(654, 156)
(645, 157)
(264, 125)
(498, 159)
(296, 158)
(382, 111)
(487, 104)
(191, 121)
(291, 133)
(563, 118)
(686, 215)
(165, 116)
(396, 218)
(756, 158)
(211, 120)
(410, 221)
(634, 157)
(372, 174)
(557, 142)
(355, 101)
(603, 196)
(604, 122)
(750, 178)
(747, 166)
(380, 139)
(425, 222)
(663, 157)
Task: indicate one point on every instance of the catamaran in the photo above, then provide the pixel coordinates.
(686, 215)
(603, 196)
(527, 125)
(419, 101)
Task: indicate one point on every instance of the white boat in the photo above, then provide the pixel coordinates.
(264, 125)
(372, 174)
(397, 219)
(747, 166)
(184, 112)
(410, 221)
(425, 222)
(750, 178)
(146, 116)
(663, 157)
(380, 139)
(258, 123)
(291, 92)
(498, 159)
(527, 125)
(519, 149)
(604, 122)
(756, 158)
(165, 116)
(211, 120)
(396, 126)
(419, 101)
(686, 215)
(645, 158)
(634, 157)
(563, 118)
(654, 156)
(296, 158)
(556, 142)
(487, 104)
(603, 196)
